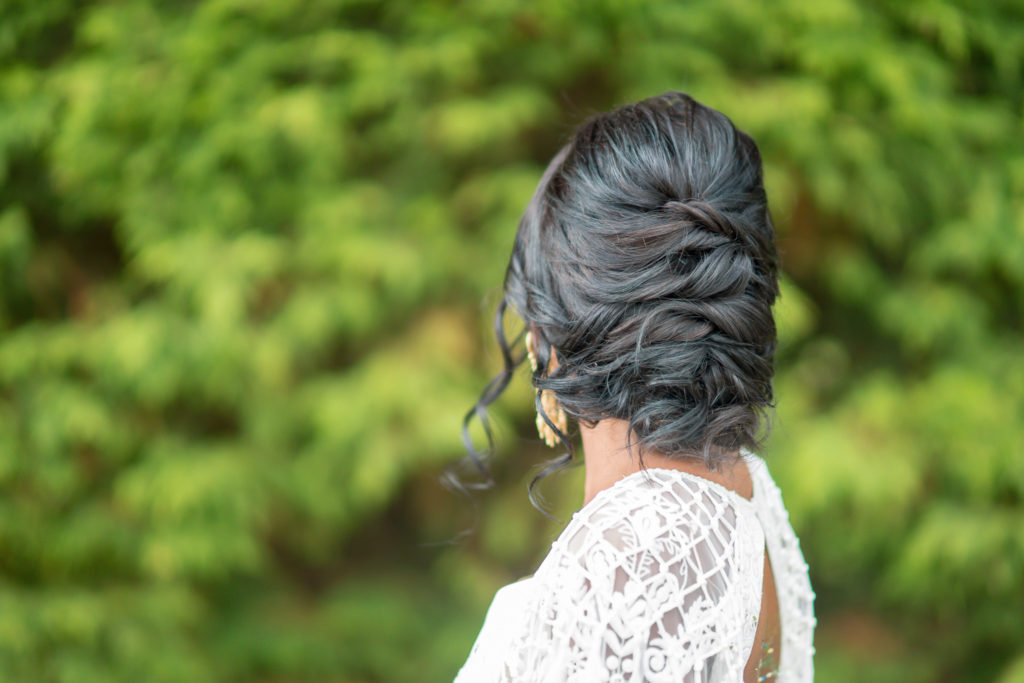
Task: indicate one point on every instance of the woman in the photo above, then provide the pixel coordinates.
(645, 270)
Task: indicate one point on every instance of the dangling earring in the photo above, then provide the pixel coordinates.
(549, 404)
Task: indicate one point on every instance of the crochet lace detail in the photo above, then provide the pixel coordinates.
(658, 578)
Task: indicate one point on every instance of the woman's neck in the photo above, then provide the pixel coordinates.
(607, 461)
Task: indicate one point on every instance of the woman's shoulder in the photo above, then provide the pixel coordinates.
(662, 568)
(665, 497)
(657, 515)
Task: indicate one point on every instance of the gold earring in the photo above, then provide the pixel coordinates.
(548, 403)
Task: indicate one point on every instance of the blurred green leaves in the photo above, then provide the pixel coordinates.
(249, 253)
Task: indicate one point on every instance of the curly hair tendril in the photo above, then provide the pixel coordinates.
(645, 262)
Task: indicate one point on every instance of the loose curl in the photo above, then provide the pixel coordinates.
(646, 262)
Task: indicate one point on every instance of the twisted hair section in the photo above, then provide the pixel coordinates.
(646, 263)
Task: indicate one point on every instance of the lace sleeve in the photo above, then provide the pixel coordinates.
(654, 583)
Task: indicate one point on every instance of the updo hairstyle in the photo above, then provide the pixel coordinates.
(645, 262)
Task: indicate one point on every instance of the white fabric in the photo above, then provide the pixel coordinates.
(657, 578)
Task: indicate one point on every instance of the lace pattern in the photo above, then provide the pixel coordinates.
(658, 578)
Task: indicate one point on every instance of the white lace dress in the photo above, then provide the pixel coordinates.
(657, 578)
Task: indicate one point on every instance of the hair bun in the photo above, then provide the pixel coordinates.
(702, 215)
(659, 310)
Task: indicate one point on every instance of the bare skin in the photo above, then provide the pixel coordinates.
(608, 461)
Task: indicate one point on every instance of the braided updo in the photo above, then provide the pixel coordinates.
(646, 262)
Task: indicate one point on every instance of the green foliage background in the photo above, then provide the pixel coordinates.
(248, 255)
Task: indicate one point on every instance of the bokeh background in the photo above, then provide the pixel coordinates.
(249, 256)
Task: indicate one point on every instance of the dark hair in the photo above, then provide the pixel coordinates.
(646, 262)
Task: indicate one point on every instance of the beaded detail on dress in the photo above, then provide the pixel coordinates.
(657, 578)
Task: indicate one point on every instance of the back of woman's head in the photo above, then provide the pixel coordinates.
(646, 262)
